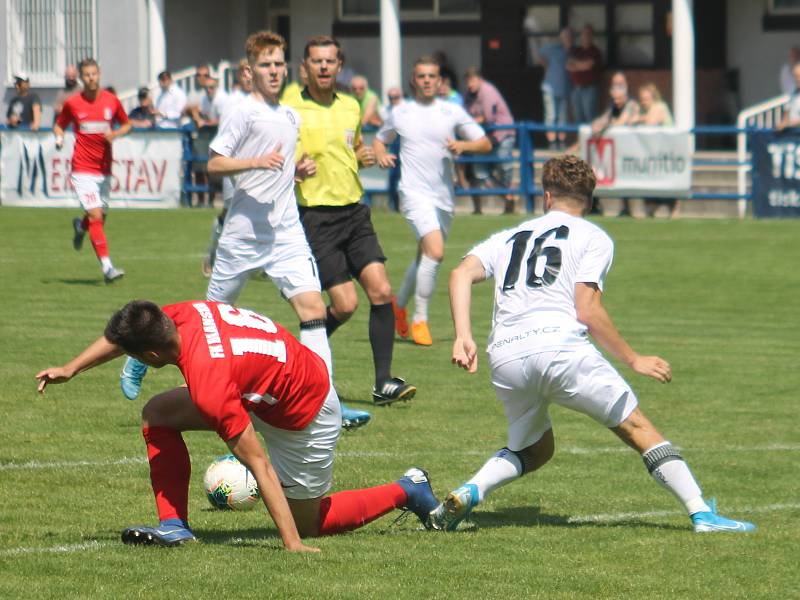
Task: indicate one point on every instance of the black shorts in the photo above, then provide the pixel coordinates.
(342, 239)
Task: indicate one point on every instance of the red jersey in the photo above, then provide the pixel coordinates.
(92, 120)
(235, 361)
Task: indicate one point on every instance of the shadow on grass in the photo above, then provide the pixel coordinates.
(94, 282)
(531, 516)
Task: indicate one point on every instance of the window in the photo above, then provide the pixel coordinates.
(369, 10)
(784, 7)
(47, 35)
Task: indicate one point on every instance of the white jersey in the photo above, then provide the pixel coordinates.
(213, 108)
(427, 164)
(263, 199)
(535, 267)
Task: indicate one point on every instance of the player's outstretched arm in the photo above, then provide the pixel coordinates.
(385, 158)
(97, 353)
(247, 449)
(465, 351)
(591, 312)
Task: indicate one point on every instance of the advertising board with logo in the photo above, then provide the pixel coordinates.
(644, 161)
(776, 174)
(146, 172)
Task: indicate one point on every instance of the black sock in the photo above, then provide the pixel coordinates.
(381, 338)
(331, 322)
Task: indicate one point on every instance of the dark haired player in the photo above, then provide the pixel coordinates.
(244, 373)
(549, 275)
(93, 114)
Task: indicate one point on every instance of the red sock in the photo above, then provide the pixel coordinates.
(352, 509)
(98, 237)
(170, 470)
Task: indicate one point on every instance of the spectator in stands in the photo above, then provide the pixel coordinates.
(368, 101)
(556, 86)
(622, 111)
(394, 97)
(486, 105)
(211, 106)
(449, 93)
(653, 111)
(786, 76)
(25, 108)
(585, 66)
(144, 115)
(170, 102)
(445, 69)
(71, 86)
(195, 97)
(345, 75)
(791, 113)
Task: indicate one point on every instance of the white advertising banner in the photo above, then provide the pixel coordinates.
(643, 161)
(146, 172)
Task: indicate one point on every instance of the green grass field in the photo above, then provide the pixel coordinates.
(718, 299)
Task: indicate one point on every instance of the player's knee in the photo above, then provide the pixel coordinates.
(435, 254)
(537, 455)
(380, 293)
(344, 308)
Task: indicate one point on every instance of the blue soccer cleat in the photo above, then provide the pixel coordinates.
(455, 508)
(130, 379)
(353, 419)
(419, 495)
(170, 532)
(711, 522)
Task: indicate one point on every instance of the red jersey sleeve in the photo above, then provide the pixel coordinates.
(65, 116)
(120, 116)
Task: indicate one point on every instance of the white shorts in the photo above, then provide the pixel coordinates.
(580, 379)
(228, 188)
(92, 190)
(303, 459)
(287, 261)
(424, 216)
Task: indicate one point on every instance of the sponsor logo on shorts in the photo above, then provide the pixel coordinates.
(525, 335)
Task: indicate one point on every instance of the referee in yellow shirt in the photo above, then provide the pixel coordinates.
(337, 225)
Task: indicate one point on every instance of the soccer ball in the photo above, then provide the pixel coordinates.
(229, 485)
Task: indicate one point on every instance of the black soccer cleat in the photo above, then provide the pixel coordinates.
(77, 239)
(392, 390)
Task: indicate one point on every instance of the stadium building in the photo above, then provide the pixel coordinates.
(739, 46)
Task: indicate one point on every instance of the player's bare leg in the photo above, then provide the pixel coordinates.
(95, 218)
(669, 469)
(501, 469)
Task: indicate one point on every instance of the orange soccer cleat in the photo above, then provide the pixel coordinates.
(421, 334)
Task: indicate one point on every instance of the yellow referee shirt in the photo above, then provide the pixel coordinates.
(329, 135)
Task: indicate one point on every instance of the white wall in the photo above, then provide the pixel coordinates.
(758, 54)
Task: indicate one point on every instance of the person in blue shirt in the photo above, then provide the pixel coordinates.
(556, 85)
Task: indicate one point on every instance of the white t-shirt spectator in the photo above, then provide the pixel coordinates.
(170, 103)
(213, 108)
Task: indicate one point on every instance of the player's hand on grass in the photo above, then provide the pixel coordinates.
(365, 155)
(465, 354)
(653, 366)
(301, 547)
(387, 161)
(52, 375)
(273, 160)
(305, 167)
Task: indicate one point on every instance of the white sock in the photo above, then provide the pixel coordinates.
(426, 283)
(409, 282)
(670, 470)
(317, 340)
(503, 468)
(105, 264)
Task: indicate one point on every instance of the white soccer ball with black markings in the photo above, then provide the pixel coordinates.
(229, 485)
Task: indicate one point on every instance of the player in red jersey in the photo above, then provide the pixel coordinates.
(93, 114)
(244, 373)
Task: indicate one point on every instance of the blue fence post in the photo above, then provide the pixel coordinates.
(525, 167)
(188, 155)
